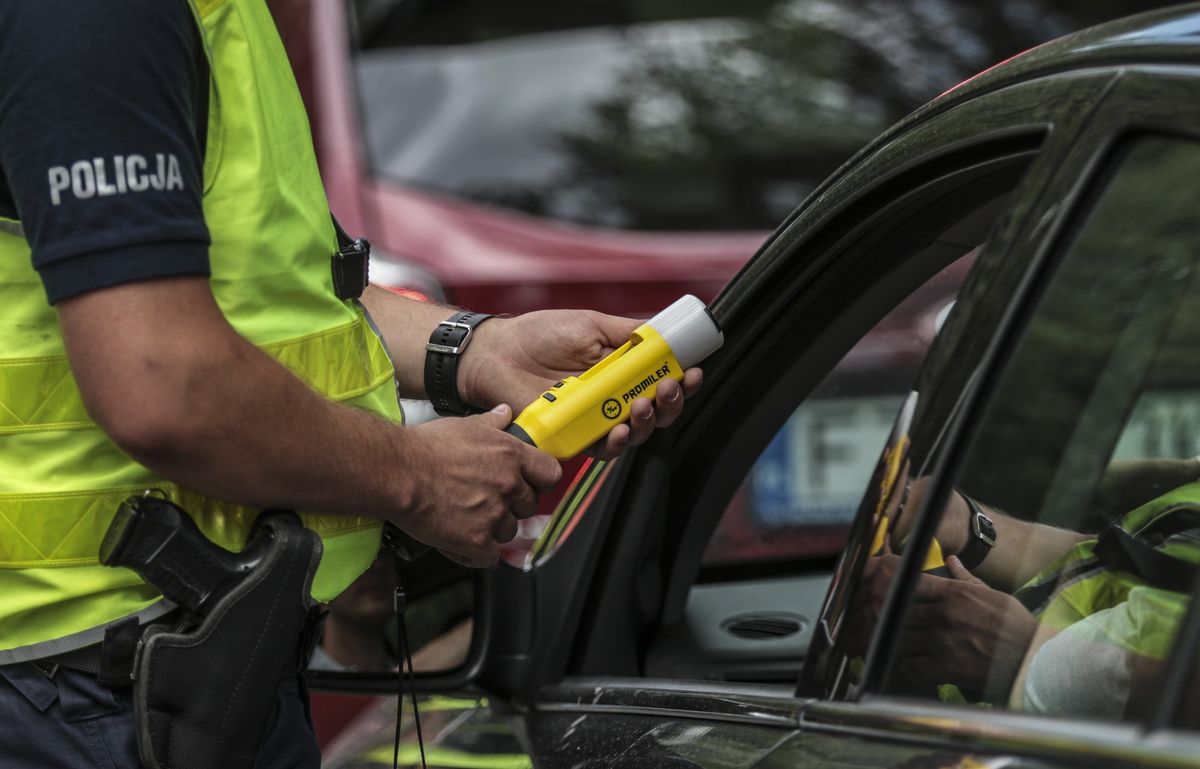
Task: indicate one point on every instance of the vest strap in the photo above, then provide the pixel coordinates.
(351, 264)
(79, 646)
(1137, 555)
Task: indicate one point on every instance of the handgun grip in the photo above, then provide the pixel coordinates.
(162, 543)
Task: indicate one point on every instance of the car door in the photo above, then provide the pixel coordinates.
(573, 635)
(1077, 414)
(614, 640)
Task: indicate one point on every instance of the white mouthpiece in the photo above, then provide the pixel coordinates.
(689, 329)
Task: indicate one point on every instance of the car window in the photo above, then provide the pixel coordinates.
(1065, 550)
(744, 613)
(799, 499)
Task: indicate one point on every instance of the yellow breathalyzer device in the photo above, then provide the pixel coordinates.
(578, 411)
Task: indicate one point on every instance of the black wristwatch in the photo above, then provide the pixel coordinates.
(981, 535)
(442, 353)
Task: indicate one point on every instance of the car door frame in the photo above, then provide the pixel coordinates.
(1129, 108)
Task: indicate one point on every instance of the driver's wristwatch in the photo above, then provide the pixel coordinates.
(981, 535)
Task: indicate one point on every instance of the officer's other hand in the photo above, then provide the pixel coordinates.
(513, 360)
(959, 630)
(862, 615)
(478, 481)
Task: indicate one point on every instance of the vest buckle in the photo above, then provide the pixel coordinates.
(350, 268)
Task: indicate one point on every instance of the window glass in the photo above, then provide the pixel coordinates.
(1084, 470)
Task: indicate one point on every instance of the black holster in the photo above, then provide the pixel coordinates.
(204, 687)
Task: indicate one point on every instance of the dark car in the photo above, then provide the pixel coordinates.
(1062, 394)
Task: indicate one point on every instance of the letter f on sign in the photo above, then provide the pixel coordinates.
(60, 179)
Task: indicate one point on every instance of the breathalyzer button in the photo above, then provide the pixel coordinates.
(549, 396)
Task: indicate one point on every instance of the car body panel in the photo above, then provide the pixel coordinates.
(500, 261)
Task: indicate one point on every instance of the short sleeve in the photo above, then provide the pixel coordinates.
(99, 155)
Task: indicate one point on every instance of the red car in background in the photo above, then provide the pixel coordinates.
(399, 131)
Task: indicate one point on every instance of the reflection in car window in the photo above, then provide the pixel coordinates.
(652, 115)
(801, 494)
(1084, 469)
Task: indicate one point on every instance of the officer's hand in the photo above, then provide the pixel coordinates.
(514, 360)
(961, 631)
(473, 482)
(862, 615)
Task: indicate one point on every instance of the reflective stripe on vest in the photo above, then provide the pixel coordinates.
(1078, 584)
(60, 477)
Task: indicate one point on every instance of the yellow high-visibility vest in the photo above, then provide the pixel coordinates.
(1079, 583)
(61, 479)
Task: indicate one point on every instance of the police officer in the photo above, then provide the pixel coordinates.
(1043, 618)
(168, 320)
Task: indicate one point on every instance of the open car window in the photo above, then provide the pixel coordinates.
(799, 499)
(748, 617)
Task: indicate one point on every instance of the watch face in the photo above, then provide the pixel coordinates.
(983, 528)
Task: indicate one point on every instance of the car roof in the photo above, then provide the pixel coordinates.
(1165, 36)
(1169, 36)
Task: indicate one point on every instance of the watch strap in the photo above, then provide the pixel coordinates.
(442, 355)
(981, 535)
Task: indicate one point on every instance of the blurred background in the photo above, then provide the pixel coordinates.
(615, 154)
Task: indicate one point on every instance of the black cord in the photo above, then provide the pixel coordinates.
(398, 609)
(399, 604)
(412, 687)
(392, 537)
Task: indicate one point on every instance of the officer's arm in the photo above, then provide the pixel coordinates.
(168, 379)
(1023, 548)
(406, 326)
(512, 360)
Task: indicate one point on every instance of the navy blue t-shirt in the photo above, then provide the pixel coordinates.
(99, 149)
